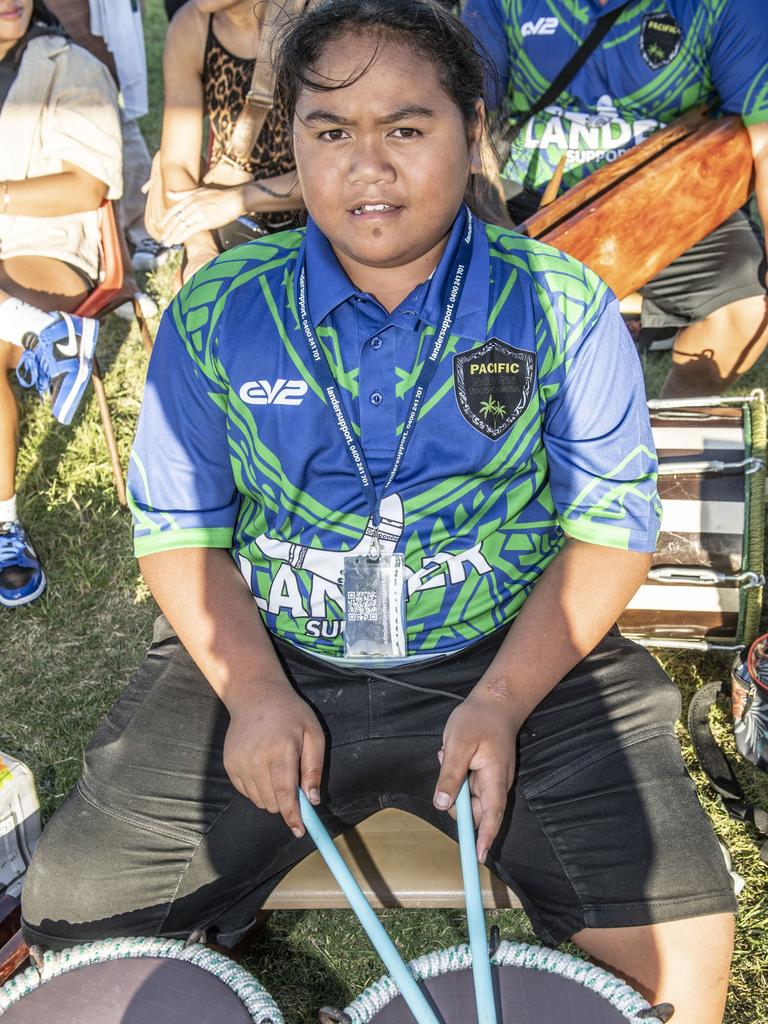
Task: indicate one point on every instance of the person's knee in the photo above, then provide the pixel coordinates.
(77, 889)
(55, 888)
(685, 963)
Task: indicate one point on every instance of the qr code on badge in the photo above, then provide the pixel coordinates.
(362, 606)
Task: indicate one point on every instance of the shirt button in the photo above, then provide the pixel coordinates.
(377, 398)
(376, 343)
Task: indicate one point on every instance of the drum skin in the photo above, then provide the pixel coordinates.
(149, 990)
(136, 980)
(532, 985)
(522, 997)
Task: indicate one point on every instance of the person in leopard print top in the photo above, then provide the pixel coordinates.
(208, 64)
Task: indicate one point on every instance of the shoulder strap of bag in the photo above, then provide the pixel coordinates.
(715, 764)
(261, 93)
(602, 27)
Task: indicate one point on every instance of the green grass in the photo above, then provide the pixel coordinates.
(65, 658)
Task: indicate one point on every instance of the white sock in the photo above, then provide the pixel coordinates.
(8, 513)
(17, 318)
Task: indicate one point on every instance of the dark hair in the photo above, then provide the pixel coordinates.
(42, 16)
(42, 23)
(425, 26)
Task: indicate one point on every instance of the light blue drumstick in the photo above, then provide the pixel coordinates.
(382, 943)
(478, 940)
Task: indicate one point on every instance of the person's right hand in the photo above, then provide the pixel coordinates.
(273, 744)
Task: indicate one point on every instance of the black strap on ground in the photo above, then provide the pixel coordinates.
(715, 764)
(602, 27)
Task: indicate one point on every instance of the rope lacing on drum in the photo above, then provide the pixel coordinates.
(254, 997)
(509, 954)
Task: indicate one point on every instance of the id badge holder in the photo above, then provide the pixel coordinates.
(374, 603)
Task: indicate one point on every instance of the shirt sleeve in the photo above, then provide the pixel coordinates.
(181, 488)
(84, 124)
(485, 20)
(739, 59)
(598, 439)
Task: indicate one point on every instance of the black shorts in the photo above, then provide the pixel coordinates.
(603, 827)
(724, 267)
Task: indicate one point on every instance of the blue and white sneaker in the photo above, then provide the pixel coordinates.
(21, 576)
(59, 361)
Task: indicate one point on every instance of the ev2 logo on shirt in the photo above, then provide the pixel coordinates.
(540, 27)
(282, 392)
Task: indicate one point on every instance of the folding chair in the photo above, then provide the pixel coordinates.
(116, 286)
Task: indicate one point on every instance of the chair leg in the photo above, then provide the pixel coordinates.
(109, 433)
(146, 337)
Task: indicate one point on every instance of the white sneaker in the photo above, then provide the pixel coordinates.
(148, 307)
(149, 255)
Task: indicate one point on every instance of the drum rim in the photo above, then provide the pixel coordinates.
(509, 954)
(257, 1001)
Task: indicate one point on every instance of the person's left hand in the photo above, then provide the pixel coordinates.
(200, 209)
(480, 737)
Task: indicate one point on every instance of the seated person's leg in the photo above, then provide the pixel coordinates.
(684, 962)
(715, 294)
(605, 839)
(25, 309)
(36, 296)
(154, 839)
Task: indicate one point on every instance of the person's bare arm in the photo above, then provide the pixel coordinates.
(73, 190)
(274, 741)
(758, 136)
(578, 598)
(182, 133)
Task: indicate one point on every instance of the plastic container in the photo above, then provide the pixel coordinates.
(20, 825)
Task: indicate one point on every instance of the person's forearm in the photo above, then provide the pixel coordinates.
(578, 598)
(51, 195)
(202, 242)
(282, 192)
(209, 605)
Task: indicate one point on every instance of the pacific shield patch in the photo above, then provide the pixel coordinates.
(660, 40)
(493, 386)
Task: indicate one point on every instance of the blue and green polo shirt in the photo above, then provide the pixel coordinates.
(534, 427)
(661, 58)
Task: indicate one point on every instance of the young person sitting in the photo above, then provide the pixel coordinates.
(60, 156)
(393, 484)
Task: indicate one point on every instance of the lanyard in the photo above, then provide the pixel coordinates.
(328, 384)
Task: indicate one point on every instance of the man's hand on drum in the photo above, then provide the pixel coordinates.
(480, 738)
(273, 744)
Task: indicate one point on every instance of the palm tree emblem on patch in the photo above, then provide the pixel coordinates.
(492, 408)
(493, 384)
(661, 37)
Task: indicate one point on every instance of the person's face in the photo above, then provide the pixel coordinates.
(15, 16)
(383, 162)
